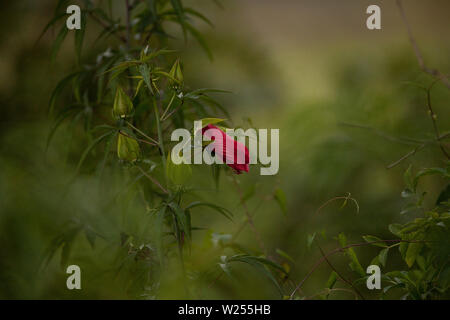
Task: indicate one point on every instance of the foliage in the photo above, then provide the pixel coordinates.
(130, 98)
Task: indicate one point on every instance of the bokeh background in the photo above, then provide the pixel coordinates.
(306, 67)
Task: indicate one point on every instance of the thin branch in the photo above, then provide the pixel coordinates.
(433, 120)
(173, 111)
(249, 217)
(406, 156)
(152, 179)
(434, 72)
(168, 106)
(328, 291)
(242, 226)
(339, 274)
(403, 140)
(107, 27)
(342, 249)
(346, 198)
(140, 140)
(127, 3)
(142, 133)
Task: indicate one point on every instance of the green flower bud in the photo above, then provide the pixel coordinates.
(176, 74)
(127, 148)
(123, 107)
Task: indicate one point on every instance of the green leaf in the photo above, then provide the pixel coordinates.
(206, 121)
(65, 253)
(179, 174)
(280, 197)
(354, 264)
(182, 219)
(178, 8)
(260, 263)
(407, 177)
(382, 256)
(342, 239)
(90, 147)
(59, 88)
(215, 170)
(90, 236)
(223, 211)
(444, 196)
(156, 54)
(395, 229)
(310, 240)
(107, 151)
(284, 255)
(379, 243)
(412, 252)
(195, 94)
(198, 15)
(429, 171)
(402, 248)
(331, 280)
(145, 73)
(159, 225)
(51, 23)
(64, 115)
(58, 42)
(79, 35)
(200, 40)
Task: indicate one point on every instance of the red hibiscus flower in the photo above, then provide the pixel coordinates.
(233, 153)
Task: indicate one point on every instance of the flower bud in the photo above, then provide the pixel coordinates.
(176, 74)
(123, 107)
(127, 148)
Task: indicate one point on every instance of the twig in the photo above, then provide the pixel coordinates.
(420, 144)
(339, 274)
(140, 140)
(249, 217)
(152, 179)
(127, 3)
(346, 198)
(404, 140)
(143, 134)
(433, 120)
(236, 234)
(105, 26)
(173, 111)
(406, 156)
(332, 290)
(341, 249)
(168, 106)
(434, 72)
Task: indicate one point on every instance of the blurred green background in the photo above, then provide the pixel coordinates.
(304, 67)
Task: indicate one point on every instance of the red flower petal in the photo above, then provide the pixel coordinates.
(229, 149)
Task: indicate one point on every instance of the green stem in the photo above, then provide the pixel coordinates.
(142, 133)
(160, 141)
(168, 106)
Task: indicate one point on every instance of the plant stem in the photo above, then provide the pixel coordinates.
(168, 106)
(127, 3)
(433, 72)
(152, 179)
(249, 218)
(160, 136)
(337, 250)
(339, 274)
(142, 133)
